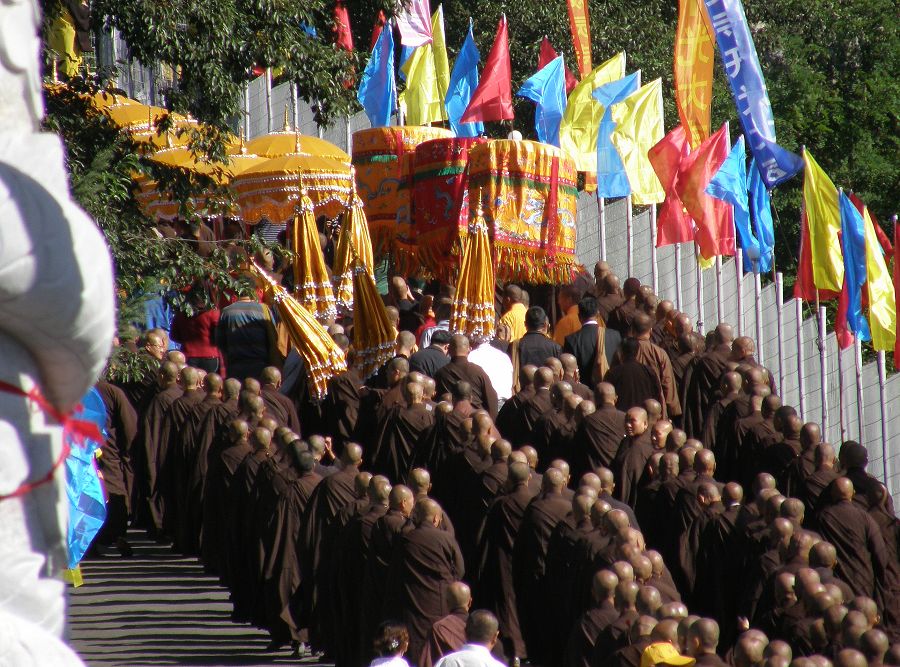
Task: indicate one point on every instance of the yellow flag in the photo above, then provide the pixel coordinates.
(639, 127)
(820, 199)
(581, 120)
(694, 60)
(427, 78)
(882, 310)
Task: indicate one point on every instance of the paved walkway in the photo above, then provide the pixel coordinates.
(158, 608)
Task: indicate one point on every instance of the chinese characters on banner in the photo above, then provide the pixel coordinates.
(580, 24)
(694, 60)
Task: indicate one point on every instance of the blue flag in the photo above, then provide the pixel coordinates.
(748, 88)
(463, 82)
(87, 506)
(761, 216)
(405, 53)
(853, 240)
(730, 185)
(612, 181)
(377, 88)
(547, 89)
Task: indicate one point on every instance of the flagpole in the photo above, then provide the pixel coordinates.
(629, 213)
(739, 276)
(700, 308)
(801, 384)
(678, 276)
(779, 323)
(268, 100)
(719, 301)
(653, 269)
(860, 407)
(601, 205)
(882, 378)
(296, 103)
(840, 366)
(823, 368)
(757, 293)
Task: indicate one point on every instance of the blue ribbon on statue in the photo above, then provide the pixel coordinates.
(748, 87)
(87, 505)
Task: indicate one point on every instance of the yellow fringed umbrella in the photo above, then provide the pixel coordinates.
(374, 337)
(473, 307)
(324, 359)
(312, 284)
(276, 144)
(353, 245)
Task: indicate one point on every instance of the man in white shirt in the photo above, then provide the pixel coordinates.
(482, 631)
(498, 367)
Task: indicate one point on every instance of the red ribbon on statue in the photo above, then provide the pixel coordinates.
(74, 428)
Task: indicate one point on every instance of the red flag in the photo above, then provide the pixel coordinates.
(883, 239)
(492, 100)
(805, 286)
(548, 54)
(897, 288)
(673, 224)
(841, 327)
(376, 31)
(342, 35)
(714, 218)
(580, 25)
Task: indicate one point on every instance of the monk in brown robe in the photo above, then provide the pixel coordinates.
(701, 379)
(386, 532)
(621, 316)
(862, 557)
(824, 475)
(404, 430)
(600, 434)
(495, 563)
(333, 493)
(509, 419)
(729, 388)
(448, 634)
(573, 377)
(656, 359)
(149, 442)
(342, 406)
(634, 381)
(114, 464)
(804, 465)
(631, 458)
(377, 403)
(286, 620)
(536, 406)
(460, 368)
(352, 554)
(584, 635)
(278, 406)
(529, 560)
(547, 424)
(220, 476)
(425, 562)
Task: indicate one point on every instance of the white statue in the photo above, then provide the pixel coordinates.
(57, 319)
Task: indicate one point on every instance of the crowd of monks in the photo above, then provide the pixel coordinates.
(644, 484)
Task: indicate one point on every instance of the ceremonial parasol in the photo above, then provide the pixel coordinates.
(312, 285)
(374, 337)
(473, 306)
(353, 246)
(324, 359)
(271, 189)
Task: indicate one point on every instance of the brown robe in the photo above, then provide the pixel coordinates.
(495, 565)
(168, 475)
(216, 501)
(341, 407)
(426, 560)
(598, 439)
(121, 428)
(351, 554)
(461, 369)
(332, 493)
(281, 409)
(444, 441)
(655, 358)
(285, 619)
(509, 419)
(533, 409)
(404, 430)
(447, 635)
(563, 559)
(712, 422)
(701, 380)
(147, 447)
(629, 466)
(634, 383)
(728, 442)
(862, 558)
(584, 635)
(530, 569)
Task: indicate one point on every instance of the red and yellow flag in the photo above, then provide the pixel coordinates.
(694, 60)
(580, 24)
